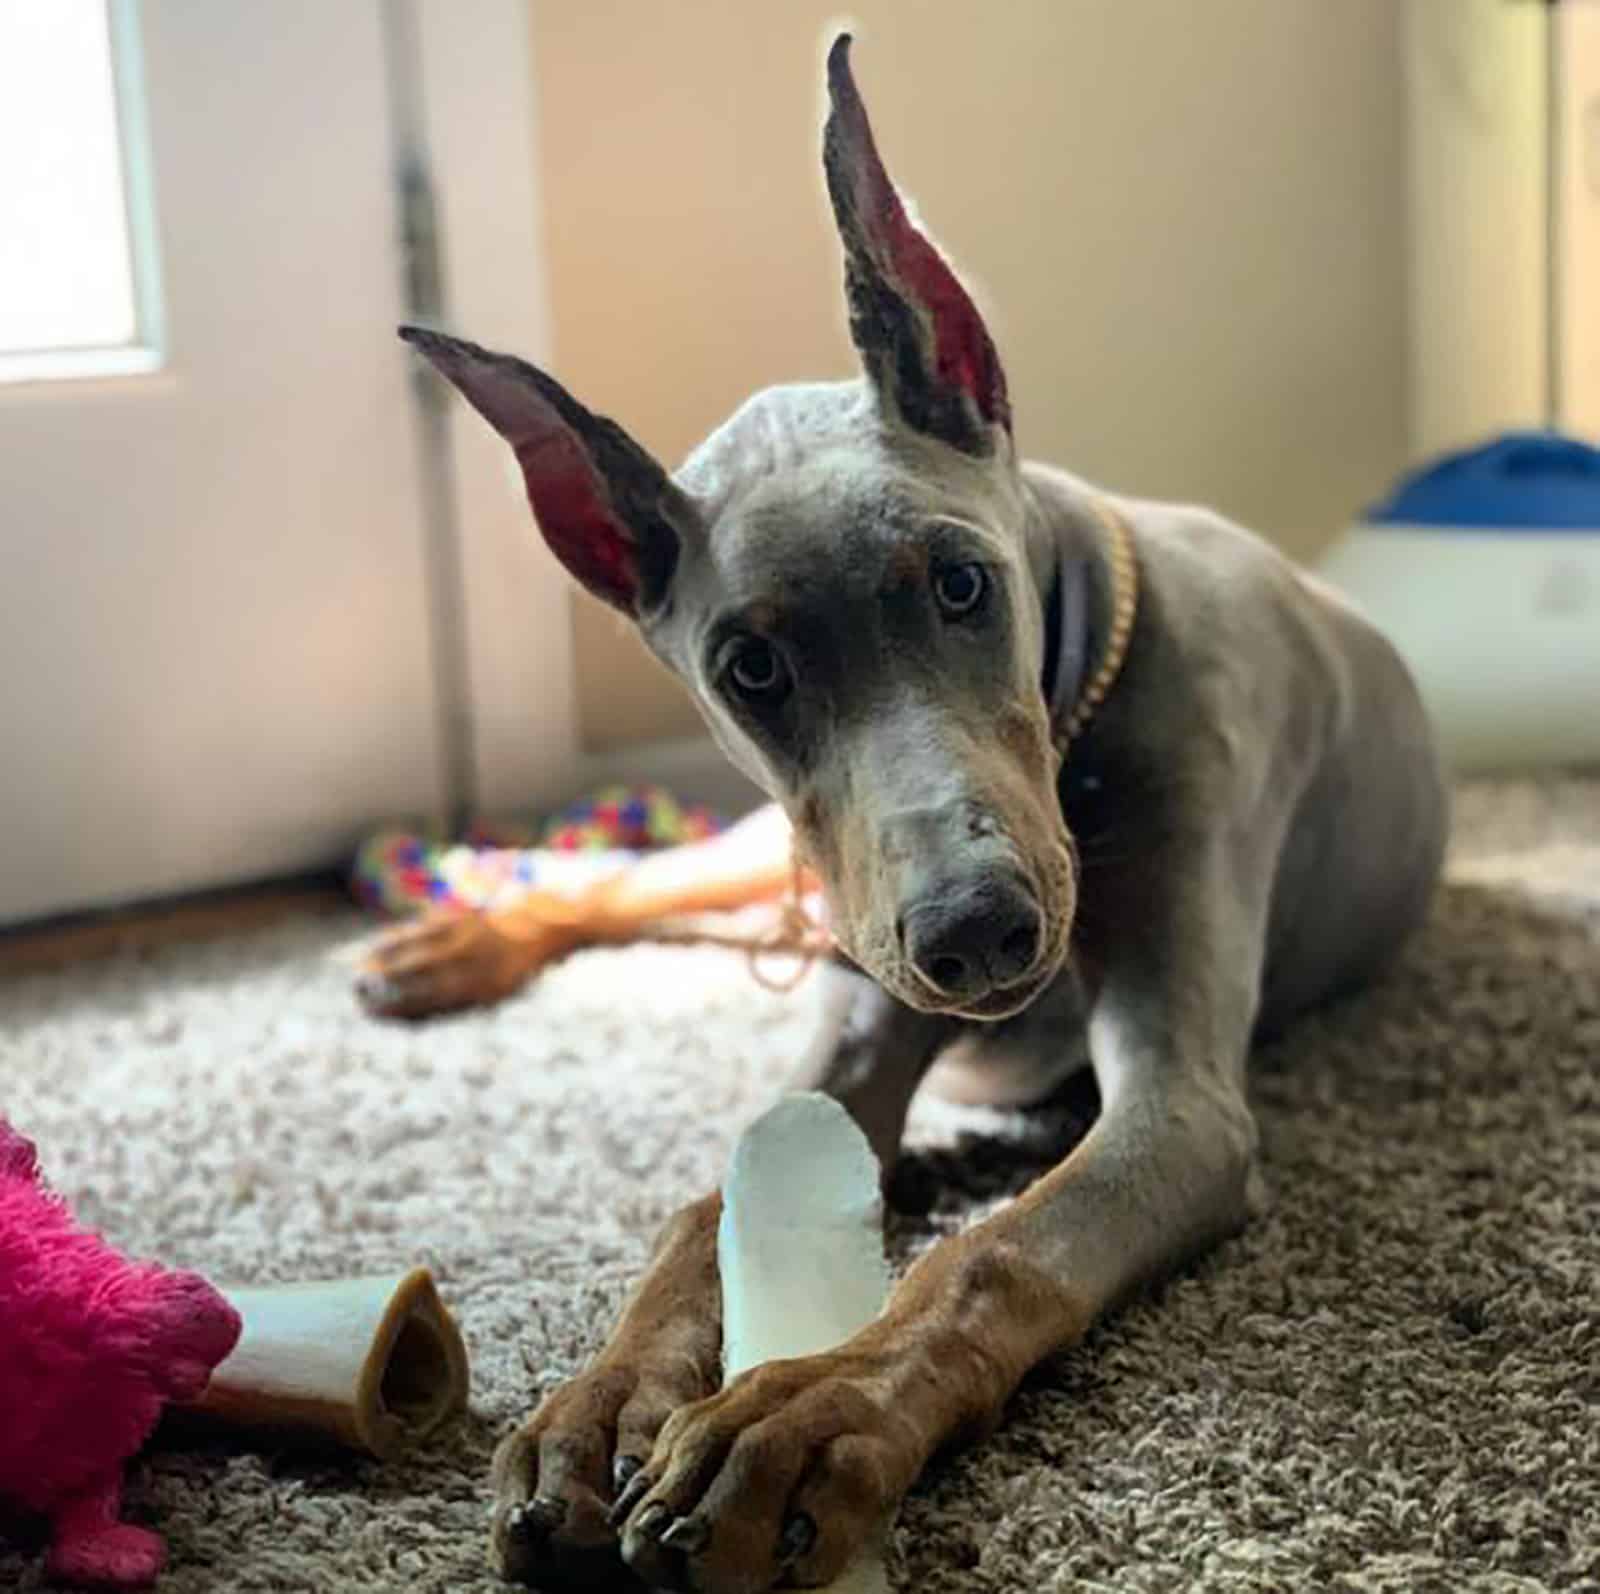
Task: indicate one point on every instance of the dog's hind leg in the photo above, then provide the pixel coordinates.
(453, 959)
(1020, 1062)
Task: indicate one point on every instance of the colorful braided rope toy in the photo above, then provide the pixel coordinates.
(402, 871)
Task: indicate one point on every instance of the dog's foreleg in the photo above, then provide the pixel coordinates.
(870, 1055)
(786, 1470)
(1164, 1173)
(555, 1478)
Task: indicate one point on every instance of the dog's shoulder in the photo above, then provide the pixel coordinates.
(1240, 671)
(1210, 567)
(1229, 601)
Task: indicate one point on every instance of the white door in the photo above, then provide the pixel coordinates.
(214, 623)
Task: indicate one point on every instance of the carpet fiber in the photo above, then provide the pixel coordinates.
(1390, 1382)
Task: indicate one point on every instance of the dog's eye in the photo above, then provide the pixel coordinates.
(757, 671)
(960, 588)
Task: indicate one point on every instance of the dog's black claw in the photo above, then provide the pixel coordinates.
(799, 1535)
(535, 1520)
(653, 1521)
(622, 1471)
(636, 1488)
(690, 1535)
(913, 1188)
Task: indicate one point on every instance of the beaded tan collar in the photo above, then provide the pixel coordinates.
(1124, 606)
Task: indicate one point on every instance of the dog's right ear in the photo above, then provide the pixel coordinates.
(919, 334)
(609, 512)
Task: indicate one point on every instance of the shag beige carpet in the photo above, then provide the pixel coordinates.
(1390, 1382)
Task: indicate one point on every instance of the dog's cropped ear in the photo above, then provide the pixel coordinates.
(609, 512)
(920, 336)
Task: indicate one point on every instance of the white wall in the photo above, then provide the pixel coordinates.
(213, 657)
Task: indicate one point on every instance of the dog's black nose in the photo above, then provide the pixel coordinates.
(967, 941)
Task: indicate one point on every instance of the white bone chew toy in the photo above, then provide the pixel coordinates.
(800, 1249)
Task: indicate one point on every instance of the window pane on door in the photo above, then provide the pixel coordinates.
(66, 268)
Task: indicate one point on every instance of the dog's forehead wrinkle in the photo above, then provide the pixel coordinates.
(843, 518)
(786, 439)
(771, 433)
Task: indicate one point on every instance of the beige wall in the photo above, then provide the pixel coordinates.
(1578, 94)
(1479, 111)
(1476, 109)
(1184, 221)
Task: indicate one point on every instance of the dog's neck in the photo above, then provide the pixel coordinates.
(1082, 555)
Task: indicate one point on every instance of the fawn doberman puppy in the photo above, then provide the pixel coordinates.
(1054, 754)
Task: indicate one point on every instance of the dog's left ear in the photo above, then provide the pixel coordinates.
(609, 512)
(920, 336)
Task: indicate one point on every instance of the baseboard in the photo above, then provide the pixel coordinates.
(138, 927)
(691, 768)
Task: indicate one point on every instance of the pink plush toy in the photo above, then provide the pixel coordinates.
(91, 1347)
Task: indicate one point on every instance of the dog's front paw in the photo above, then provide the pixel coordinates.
(555, 1478)
(782, 1476)
(439, 964)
